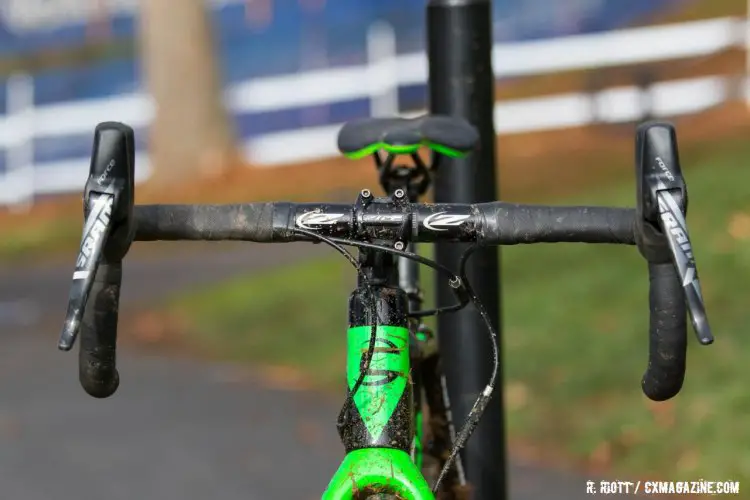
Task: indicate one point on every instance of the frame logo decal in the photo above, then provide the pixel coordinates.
(308, 219)
(377, 377)
(444, 220)
(385, 382)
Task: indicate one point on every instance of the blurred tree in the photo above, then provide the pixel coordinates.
(191, 131)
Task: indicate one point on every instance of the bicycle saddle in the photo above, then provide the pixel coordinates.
(448, 135)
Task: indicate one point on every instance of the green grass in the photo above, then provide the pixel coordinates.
(41, 239)
(575, 336)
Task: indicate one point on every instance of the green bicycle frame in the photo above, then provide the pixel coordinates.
(378, 428)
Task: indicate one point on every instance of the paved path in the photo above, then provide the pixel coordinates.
(177, 429)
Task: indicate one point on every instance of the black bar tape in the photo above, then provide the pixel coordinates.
(511, 224)
(499, 224)
(667, 347)
(247, 221)
(97, 356)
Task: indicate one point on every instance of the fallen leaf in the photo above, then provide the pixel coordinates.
(601, 457)
(663, 413)
(285, 378)
(516, 395)
(689, 461)
(308, 432)
(153, 327)
(606, 322)
(232, 375)
(10, 426)
(700, 409)
(630, 436)
(739, 226)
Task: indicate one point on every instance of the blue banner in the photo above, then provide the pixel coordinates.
(257, 38)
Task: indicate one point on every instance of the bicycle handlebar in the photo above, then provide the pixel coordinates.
(494, 223)
(112, 223)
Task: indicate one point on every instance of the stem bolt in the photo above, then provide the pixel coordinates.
(399, 245)
(366, 193)
(399, 193)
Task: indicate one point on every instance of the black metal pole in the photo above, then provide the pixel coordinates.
(459, 39)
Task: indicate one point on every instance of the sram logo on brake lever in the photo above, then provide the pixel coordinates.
(662, 203)
(107, 209)
(96, 228)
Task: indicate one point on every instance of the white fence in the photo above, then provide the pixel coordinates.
(620, 104)
(379, 82)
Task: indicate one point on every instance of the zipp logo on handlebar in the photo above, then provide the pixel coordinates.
(441, 221)
(310, 219)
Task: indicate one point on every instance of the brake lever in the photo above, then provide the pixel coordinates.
(663, 205)
(108, 229)
(673, 224)
(96, 228)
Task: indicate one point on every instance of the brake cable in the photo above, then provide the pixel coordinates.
(465, 293)
(456, 282)
(336, 243)
(372, 305)
(477, 410)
